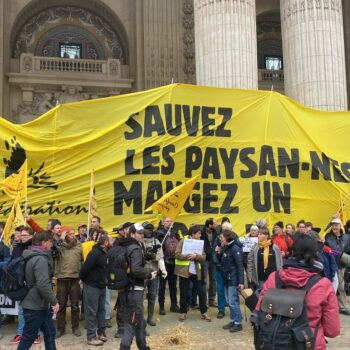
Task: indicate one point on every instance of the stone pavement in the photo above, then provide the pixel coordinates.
(193, 334)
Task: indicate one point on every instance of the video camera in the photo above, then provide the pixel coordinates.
(151, 252)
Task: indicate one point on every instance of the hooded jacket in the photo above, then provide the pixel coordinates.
(135, 253)
(322, 305)
(38, 274)
(69, 259)
(232, 264)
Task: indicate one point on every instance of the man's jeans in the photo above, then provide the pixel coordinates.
(35, 320)
(108, 304)
(232, 298)
(221, 291)
(95, 310)
(209, 273)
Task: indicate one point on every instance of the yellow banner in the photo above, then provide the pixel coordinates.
(258, 155)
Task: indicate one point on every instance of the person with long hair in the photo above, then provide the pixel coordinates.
(264, 258)
(321, 301)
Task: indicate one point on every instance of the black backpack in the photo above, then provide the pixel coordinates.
(281, 323)
(118, 262)
(12, 279)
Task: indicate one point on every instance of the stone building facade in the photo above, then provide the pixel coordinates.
(61, 51)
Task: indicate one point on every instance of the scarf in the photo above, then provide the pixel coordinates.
(266, 245)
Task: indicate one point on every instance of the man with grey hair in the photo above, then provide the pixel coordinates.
(338, 241)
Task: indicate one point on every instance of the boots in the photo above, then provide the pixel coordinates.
(150, 319)
(161, 310)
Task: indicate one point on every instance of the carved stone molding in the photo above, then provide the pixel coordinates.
(189, 67)
(298, 7)
(69, 14)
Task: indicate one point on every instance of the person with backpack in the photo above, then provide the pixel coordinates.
(154, 261)
(264, 258)
(93, 273)
(134, 322)
(67, 273)
(169, 243)
(5, 258)
(231, 257)
(297, 308)
(25, 242)
(40, 302)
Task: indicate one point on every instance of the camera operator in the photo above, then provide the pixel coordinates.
(134, 322)
(155, 261)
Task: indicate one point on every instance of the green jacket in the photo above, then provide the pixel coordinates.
(182, 265)
(69, 260)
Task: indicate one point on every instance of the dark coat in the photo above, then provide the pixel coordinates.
(232, 264)
(135, 252)
(93, 272)
(20, 248)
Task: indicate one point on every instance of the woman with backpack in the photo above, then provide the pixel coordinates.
(264, 258)
(321, 302)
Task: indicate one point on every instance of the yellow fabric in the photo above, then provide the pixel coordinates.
(342, 211)
(16, 183)
(92, 199)
(86, 248)
(182, 262)
(258, 155)
(266, 245)
(172, 202)
(14, 220)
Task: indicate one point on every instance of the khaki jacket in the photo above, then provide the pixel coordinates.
(182, 270)
(69, 260)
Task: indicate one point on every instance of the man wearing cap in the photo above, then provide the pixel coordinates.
(67, 273)
(134, 322)
(338, 241)
(82, 236)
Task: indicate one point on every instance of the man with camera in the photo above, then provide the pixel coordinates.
(134, 322)
(154, 261)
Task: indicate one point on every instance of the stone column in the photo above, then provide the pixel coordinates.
(226, 44)
(167, 37)
(313, 53)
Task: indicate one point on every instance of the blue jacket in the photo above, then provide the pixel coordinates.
(5, 255)
(232, 264)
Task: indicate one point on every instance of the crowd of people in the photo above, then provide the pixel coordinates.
(59, 270)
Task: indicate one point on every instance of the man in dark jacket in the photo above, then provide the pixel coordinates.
(340, 242)
(209, 235)
(93, 274)
(24, 243)
(5, 258)
(40, 302)
(134, 322)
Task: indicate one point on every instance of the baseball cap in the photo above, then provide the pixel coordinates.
(336, 221)
(82, 225)
(137, 228)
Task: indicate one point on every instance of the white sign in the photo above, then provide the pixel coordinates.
(8, 306)
(248, 243)
(192, 246)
